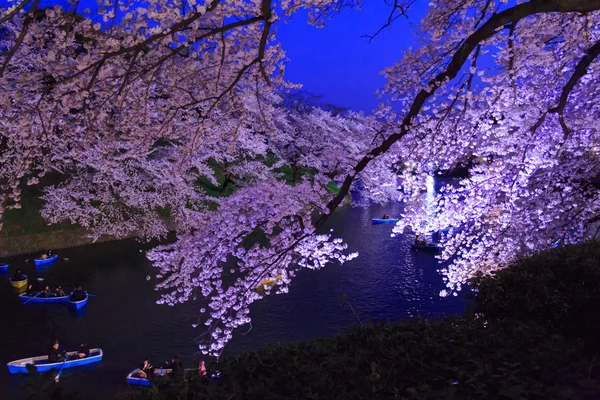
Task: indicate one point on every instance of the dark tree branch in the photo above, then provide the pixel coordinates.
(580, 70)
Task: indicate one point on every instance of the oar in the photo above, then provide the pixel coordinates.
(33, 298)
(61, 368)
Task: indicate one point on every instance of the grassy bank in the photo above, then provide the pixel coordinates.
(532, 334)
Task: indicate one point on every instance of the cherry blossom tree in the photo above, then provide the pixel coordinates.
(134, 102)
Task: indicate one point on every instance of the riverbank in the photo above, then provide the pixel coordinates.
(531, 334)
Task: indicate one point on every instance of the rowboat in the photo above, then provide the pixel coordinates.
(44, 261)
(384, 221)
(77, 304)
(19, 284)
(432, 248)
(33, 299)
(4, 268)
(133, 378)
(41, 363)
(268, 282)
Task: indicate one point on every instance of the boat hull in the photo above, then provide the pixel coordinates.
(31, 299)
(4, 268)
(18, 284)
(76, 305)
(40, 261)
(384, 221)
(41, 363)
(134, 379)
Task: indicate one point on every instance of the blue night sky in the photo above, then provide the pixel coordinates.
(336, 62)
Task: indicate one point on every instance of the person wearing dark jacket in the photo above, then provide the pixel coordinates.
(31, 292)
(56, 354)
(78, 294)
(146, 369)
(18, 276)
(175, 367)
(83, 352)
(60, 292)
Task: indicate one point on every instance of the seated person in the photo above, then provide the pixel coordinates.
(175, 366)
(43, 256)
(60, 292)
(56, 354)
(146, 369)
(83, 352)
(47, 292)
(78, 294)
(30, 291)
(202, 368)
(18, 276)
(386, 216)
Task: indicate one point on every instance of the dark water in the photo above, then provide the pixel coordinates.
(387, 281)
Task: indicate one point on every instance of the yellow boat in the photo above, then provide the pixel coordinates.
(19, 284)
(268, 282)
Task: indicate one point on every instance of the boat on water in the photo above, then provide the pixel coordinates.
(44, 261)
(39, 299)
(3, 267)
(375, 221)
(41, 362)
(133, 378)
(431, 248)
(268, 282)
(77, 304)
(19, 283)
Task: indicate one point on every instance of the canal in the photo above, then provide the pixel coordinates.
(387, 282)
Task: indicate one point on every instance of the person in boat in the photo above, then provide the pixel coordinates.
(18, 276)
(146, 369)
(47, 292)
(78, 294)
(50, 254)
(175, 367)
(83, 352)
(386, 216)
(56, 354)
(31, 292)
(60, 292)
(421, 241)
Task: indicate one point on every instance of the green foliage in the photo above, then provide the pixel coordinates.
(526, 342)
(558, 288)
(27, 220)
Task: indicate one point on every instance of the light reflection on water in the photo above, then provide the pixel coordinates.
(387, 281)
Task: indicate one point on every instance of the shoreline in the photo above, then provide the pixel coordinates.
(12, 246)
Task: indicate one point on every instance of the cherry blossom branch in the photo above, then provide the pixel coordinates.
(487, 30)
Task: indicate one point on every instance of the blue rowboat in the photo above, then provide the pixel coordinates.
(32, 299)
(3, 267)
(19, 283)
(384, 221)
(41, 363)
(78, 304)
(44, 261)
(428, 249)
(133, 378)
